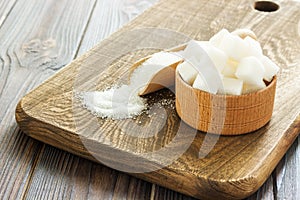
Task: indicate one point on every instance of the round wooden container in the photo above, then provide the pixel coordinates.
(224, 114)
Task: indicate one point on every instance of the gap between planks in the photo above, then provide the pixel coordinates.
(85, 29)
(29, 180)
(5, 15)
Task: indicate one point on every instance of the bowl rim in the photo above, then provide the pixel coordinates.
(269, 85)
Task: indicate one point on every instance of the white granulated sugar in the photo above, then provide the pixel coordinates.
(123, 102)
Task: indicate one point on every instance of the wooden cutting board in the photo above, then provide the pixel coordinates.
(236, 166)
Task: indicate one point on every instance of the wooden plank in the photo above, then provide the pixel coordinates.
(108, 17)
(60, 175)
(131, 188)
(266, 192)
(288, 174)
(286, 59)
(34, 44)
(18, 154)
(83, 179)
(5, 8)
(163, 193)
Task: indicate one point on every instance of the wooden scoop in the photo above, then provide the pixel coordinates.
(163, 78)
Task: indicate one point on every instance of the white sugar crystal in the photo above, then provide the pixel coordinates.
(218, 57)
(232, 86)
(201, 84)
(271, 69)
(218, 37)
(230, 68)
(253, 47)
(187, 72)
(251, 71)
(234, 47)
(196, 55)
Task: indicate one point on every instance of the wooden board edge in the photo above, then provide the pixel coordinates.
(47, 134)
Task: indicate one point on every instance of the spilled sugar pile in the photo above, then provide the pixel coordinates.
(122, 102)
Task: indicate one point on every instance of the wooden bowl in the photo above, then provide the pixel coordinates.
(224, 114)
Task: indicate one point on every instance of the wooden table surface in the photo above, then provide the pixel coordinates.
(37, 38)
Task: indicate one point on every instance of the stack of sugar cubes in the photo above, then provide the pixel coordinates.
(238, 59)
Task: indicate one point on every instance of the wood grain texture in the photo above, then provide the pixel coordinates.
(108, 17)
(98, 190)
(82, 179)
(5, 8)
(288, 174)
(60, 175)
(34, 44)
(269, 143)
(239, 114)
